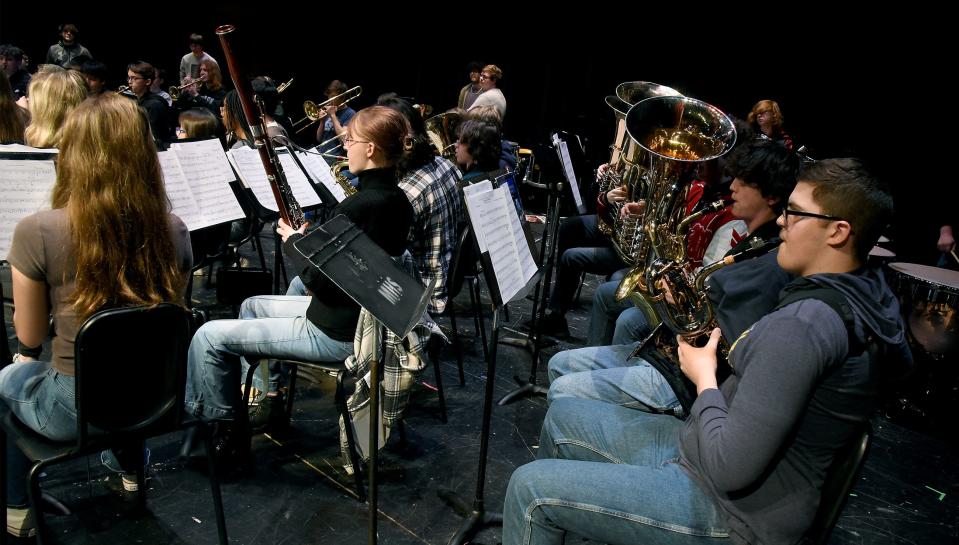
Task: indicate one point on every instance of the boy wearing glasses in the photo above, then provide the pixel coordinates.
(139, 78)
(489, 94)
(749, 462)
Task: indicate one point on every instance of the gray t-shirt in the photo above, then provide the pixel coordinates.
(41, 251)
(190, 64)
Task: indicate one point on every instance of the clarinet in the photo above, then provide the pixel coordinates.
(290, 210)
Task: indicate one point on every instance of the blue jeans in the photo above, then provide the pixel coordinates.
(610, 474)
(612, 321)
(277, 327)
(44, 401)
(603, 373)
(581, 248)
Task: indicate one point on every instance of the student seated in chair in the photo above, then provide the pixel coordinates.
(108, 241)
(318, 327)
(748, 464)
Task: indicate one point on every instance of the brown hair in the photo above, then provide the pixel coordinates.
(386, 128)
(215, 77)
(198, 123)
(843, 188)
(13, 118)
(495, 73)
(54, 93)
(766, 106)
(109, 180)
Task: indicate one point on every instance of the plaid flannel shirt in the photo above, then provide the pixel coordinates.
(437, 210)
(398, 373)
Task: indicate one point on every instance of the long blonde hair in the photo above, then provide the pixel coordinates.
(109, 180)
(54, 93)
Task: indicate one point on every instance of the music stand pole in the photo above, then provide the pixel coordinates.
(374, 440)
(477, 516)
(529, 387)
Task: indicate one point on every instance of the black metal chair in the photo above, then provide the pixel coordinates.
(463, 271)
(840, 480)
(333, 369)
(130, 381)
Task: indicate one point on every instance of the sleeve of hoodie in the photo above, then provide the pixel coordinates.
(316, 281)
(783, 357)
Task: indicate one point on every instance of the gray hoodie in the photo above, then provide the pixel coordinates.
(761, 445)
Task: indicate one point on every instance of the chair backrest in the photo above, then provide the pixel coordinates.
(131, 369)
(463, 262)
(839, 482)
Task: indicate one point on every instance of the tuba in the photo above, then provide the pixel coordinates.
(626, 165)
(678, 133)
(441, 130)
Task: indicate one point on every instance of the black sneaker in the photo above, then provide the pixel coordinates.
(555, 326)
(269, 414)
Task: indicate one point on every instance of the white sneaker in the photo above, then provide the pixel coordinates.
(130, 483)
(20, 522)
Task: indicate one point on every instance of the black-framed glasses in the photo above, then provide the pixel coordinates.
(798, 213)
(132, 78)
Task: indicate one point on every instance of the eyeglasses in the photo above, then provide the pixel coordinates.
(484, 76)
(350, 141)
(787, 212)
(131, 78)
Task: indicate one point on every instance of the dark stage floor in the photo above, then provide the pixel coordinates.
(298, 493)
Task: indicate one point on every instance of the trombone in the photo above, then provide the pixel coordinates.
(315, 112)
(175, 90)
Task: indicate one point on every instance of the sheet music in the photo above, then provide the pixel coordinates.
(473, 195)
(25, 186)
(247, 163)
(320, 172)
(300, 185)
(178, 190)
(204, 159)
(197, 185)
(492, 214)
(20, 148)
(567, 162)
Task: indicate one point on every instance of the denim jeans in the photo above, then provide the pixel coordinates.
(44, 401)
(581, 248)
(610, 474)
(276, 327)
(602, 317)
(603, 373)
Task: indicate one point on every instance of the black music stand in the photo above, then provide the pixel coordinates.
(475, 512)
(555, 191)
(351, 260)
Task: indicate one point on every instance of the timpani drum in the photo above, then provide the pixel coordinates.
(929, 297)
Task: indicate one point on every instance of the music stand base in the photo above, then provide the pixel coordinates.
(526, 389)
(476, 518)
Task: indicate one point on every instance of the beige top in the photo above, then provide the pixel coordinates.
(41, 251)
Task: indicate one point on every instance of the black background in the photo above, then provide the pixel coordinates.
(846, 84)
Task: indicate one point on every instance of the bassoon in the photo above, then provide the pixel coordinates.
(290, 210)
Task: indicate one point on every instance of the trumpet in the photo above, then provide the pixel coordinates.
(315, 112)
(175, 90)
(124, 90)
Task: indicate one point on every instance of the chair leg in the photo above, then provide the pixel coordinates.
(141, 478)
(473, 305)
(439, 388)
(457, 346)
(189, 292)
(290, 393)
(215, 490)
(33, 486)
(340, 398)
(3, 486)
(259, 249)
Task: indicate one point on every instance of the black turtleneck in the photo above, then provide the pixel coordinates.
(382, 211)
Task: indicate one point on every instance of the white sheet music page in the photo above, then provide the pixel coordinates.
(526, 262)
(178, 191)
(320, 171)
(568, 171)
(496, 213)
(204, 158)
(473, 194)
(302, 188)
(20, 148)
(25, 186)
(247, 163)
